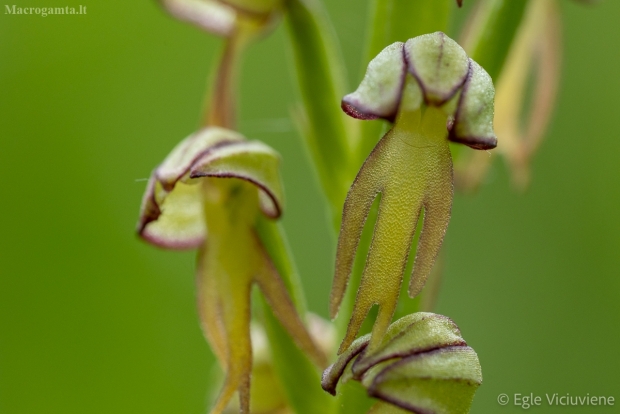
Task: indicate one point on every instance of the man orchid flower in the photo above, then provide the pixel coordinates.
(433, 93)
(208, 194)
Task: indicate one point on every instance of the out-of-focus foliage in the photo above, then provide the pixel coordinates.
(92, 320)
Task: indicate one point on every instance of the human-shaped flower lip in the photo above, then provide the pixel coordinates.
(172, 215)
(443, 72)
(421, 359)
(433, 93)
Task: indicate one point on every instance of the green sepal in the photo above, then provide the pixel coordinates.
(422, 365)
(298, 375)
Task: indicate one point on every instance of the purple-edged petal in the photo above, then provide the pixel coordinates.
(412, 334)
(171, 215)
(378, 96)
(252, 161)
(442, 381)
(473, 123)
(439, 65)
(334, 372)
(178, 163)
(211, 16)
(172, 220)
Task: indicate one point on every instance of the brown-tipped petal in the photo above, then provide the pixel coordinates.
(437, 212)
(280, 302)
(473, 122)
(171, 214)
(362, 193)
(172, 220)
(412, 334)
(178, 163)
(149, 209)
(212, 16)
(334, 372)
(378, 96)
(442, 381)
(252, 161)
(439, 65)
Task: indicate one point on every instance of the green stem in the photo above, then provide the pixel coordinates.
(221, 104)
(491, 32)
(319, 75)
(299, 376)
(274, 240)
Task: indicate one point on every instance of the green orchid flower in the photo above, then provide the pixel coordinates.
(208, 194)
(434, 94)
(421, 365)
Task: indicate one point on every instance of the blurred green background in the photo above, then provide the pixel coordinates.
(92, 320)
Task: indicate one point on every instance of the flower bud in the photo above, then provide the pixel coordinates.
(422, 365)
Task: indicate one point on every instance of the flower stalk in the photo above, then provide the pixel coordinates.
(318, 68)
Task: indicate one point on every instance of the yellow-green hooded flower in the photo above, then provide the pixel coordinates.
(433, 93)
(208, 194)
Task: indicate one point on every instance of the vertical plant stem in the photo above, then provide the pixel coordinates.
(319, 72)
(221, 104)
(299, 376)
(272, 236)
